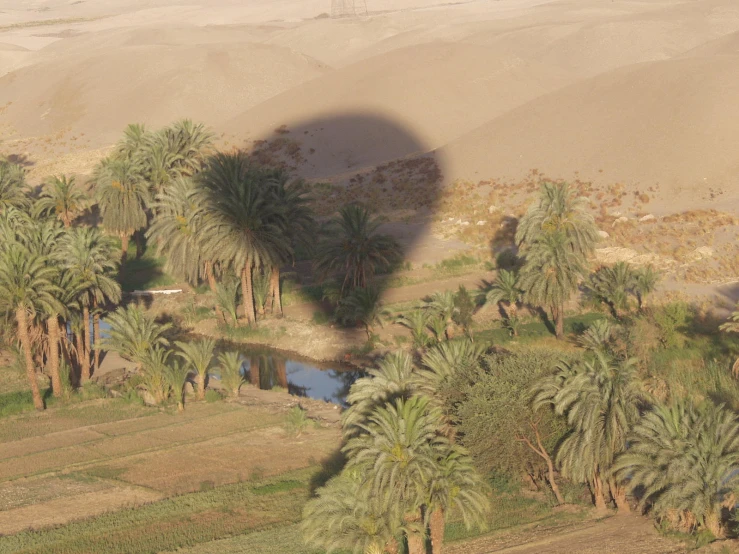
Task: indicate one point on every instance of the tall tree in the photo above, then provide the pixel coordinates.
(601, 400)
(61, 198)
(685, 462)
(556, 236)
(551, 274)
(123, 198)
(353, 246)
(89, 257)
(646, 280)
(299, 227)
(26, 286)
(245, 224)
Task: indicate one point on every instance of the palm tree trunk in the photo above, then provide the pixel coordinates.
(281, 370)
(52, 326)
(512, 311)
(201, 385)
(80, 348)
(247, 292)
(139, 240)
(559, 321)
(712, 522)
(598, 496)
(436, 528)
(22, 320)
(391, 547)
(96, 340)
(415, 544)
(619, 496)
(86, 344)
(124, 247)
(274, 286)
(214, 288)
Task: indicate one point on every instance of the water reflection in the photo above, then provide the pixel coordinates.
(300, 377)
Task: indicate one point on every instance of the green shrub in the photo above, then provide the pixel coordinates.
(212, 396)
(296, 421)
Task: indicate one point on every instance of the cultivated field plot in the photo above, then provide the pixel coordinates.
(51, 474)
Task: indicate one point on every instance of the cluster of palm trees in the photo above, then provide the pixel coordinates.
(164, 366)
(404, 472)
(55, 280)
(681, 459)
(438, 317)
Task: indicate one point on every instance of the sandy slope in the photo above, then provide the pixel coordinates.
(639, 91)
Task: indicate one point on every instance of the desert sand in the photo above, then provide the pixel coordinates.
(639, 92)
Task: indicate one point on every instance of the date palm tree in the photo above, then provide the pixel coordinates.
(343, 516)
(442, 306)
(133, 334)
(26, 287)
(646, 280)
(455, 485)
(551, 274)
(416, 322)
(230, 365)
(363, 306)
(612, 285)
(190, 142)
(176, 374)
(246, 225)
(299, 227)
(392, 378)
(559, 210)
(61, 198)
(732, 326)
(13, 191)
(505, 290)
(685, 461)
(198, 356)
(601, 400)
(123, 198)
(89, 257)
(353, 246)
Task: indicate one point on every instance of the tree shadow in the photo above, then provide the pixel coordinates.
(331, 466)
(20, 159)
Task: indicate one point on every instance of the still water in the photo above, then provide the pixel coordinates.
(269, 369)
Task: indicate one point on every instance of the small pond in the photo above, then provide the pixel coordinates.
(269, 369)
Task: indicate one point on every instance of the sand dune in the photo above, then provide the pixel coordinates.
(674, 123)
(98, 84)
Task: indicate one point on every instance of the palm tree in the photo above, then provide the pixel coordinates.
(550, 275)
(646, 280)
(559, 210)
(89, 256)
(61, 198)
(176, 375)
(398, 450)
(133, 143)
(230, 364)
(441, 304)
(190, 142)
(556, 236)
(685, 461)
(505, 290)
(597, 337)
(732, 326)
(160, 164)
(12, 186)
(611, 285)
(416, 321)
(601, 400)
(176, 231)
(198, 356)
(392, 378)
(299, 226)
(156, 375)
(123, 198)
(344, 516)
(442, 362)
(133, 334)
(26, 286)
(246, 225)
(455, 484)
(364, 306)
(226, 296)
(352, 245)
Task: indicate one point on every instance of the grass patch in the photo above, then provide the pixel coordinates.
(177, 522)
(21, 401)
(536, 330)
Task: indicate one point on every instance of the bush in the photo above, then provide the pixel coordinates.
(296, 421)
(494, 412)
(671, 320)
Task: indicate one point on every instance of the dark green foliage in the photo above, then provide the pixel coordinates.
(493, 411)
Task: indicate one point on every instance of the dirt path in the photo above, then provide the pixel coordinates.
(617, 535)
